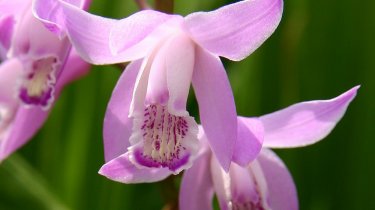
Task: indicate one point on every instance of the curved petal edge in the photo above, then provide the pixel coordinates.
(305, 123)
(236, 30)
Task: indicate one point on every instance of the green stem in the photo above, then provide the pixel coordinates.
(142, 4)
(164, 6)
(169, 192)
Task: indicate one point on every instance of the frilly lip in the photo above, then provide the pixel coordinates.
(161, 140)
(176, 165)
(37, 87)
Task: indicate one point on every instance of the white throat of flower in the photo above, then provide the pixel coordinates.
(242, 188)
(161, 139)
(258, 202)
(6, 115)
(38, 85)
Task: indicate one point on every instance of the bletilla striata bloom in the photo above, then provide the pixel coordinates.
(36, 64)
(148, 134)
(263, 183)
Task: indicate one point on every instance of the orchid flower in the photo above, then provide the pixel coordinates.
(147, 129)
(36, 65)
(264, 183)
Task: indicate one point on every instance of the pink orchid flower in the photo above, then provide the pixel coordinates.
(264, 183)
(36, 65)
(148, 133)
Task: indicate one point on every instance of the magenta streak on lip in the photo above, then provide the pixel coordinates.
(149, 162)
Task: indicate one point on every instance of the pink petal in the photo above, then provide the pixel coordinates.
(282, 194)
(216, 105)
(157, 87)
(140, 88)
(196, 191)
(10, 13)
(305, 123)
(180, 65)
(25, 124)
(131, 35)
(122, 170)
(51, 14)
(170, 74)
(6, 27)
(221, 183)
(88, 33)
(249, 140)
(236, 30)
(244, 188)
(117, 125)
(13, 8)
(31, 38)
(10, 71)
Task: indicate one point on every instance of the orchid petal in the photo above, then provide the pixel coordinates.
(196, 191)
(236, 30)
(138, 30)
(305, 123)
(117, 125)
(216, 105)
(282, 194)
(88, 33)
(249, 140)
(244, 188)
(121, 169)
(221, 182)
(10, 71)
(157, 88)
(33, 39)
(10, 12)
(180, 65)
(51, 14)
(25, 124)
(140, 88)
(14, 8)
(6, 28)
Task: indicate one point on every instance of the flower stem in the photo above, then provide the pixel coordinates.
(164, 6)
(169, 192)
(142, 4)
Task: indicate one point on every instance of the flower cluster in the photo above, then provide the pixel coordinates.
(148, 132)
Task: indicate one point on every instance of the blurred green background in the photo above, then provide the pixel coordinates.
(321, 49)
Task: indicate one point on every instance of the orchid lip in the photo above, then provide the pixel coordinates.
(38, 86)
(163, 140)
(245, 206)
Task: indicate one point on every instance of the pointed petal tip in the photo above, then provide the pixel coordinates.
(347, 97)
(102, 171)
(353, 91)
(305, 123)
